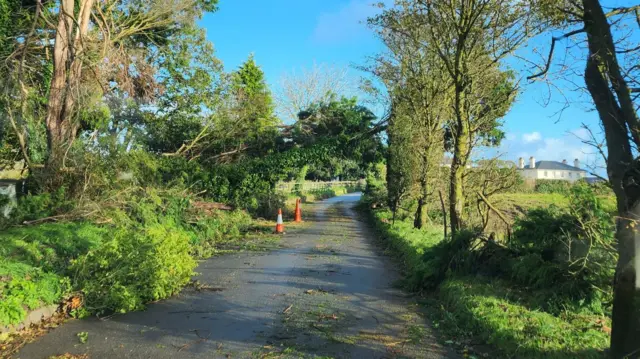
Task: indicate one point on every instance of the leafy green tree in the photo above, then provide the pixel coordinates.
(66, 59)
(256, 124)
(470, 38)
(191, 78)
(345, 127)
(416, 81)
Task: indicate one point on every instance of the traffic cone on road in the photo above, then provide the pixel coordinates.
(298, 217)
(279, 223)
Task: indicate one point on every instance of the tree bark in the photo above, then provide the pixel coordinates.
(458, 165)
(421, 212)
(610, 93)
(65, 82)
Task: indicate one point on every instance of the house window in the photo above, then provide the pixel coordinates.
(562, 174)
(570, 174)
(545, 174)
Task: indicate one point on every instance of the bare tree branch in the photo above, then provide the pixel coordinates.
(550, 57)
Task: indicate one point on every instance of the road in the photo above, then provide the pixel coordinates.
(327, 292)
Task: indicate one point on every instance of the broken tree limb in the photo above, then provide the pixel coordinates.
(497, 212)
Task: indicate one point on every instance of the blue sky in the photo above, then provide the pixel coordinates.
(285, 35)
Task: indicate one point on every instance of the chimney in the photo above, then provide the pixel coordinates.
(564, 162)
(521, 163)
(532, 161)
(576, 163)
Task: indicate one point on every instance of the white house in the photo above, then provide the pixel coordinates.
(551, 170)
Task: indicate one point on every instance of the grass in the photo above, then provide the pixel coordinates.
(517, 204)
(484, 308)
(34, 262)
(489, 310)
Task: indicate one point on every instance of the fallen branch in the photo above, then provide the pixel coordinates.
(497, 212)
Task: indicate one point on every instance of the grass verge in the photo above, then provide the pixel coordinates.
(476, 310)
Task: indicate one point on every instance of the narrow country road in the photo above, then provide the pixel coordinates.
(326, 293)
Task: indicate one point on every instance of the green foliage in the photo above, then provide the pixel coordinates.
(144, 252)
(50, 246)
(212, 230)
(32, 207)
(517, 298)
(500, 316)
(302, 175)
(571, 251)
(254, 108)
(134, 267)
(375, 193)
(83, 337)
(346, 128)
(553, 186)
(23, 286)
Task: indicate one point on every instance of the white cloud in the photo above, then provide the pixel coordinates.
(346, 23)
(531, 137)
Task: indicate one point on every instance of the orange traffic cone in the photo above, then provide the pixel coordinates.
(298, 217)
(279, 224)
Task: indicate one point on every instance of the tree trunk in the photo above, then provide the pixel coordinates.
(420, 216)
(65, 82)
(421, 212)
(618, 117)
(458, 164)
(58, 89)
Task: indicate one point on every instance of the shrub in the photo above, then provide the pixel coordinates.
(569, 252)
(26, 287)
(553, 186)
(35, 206)
(212, 229)
(375, 191)
(133, 268)
(50, 246)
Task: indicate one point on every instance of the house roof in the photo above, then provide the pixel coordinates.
(554, 166)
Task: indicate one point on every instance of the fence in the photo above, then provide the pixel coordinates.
(306, 186)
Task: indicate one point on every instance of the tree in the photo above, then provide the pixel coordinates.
(191, 78)
(415, 79)
(471, 38)
(616, 102)
(299, 91)
(345, 127)
(92, 48)
(252, 111)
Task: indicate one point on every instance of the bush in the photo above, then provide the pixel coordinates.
(35, 206)
(510, 295)
(144, 251)
(570, 253)
(133, 268)
(23, 286)
(553, 186)
(375, 191)
(211, 230)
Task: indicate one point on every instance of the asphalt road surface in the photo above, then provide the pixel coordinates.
(328, 292)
